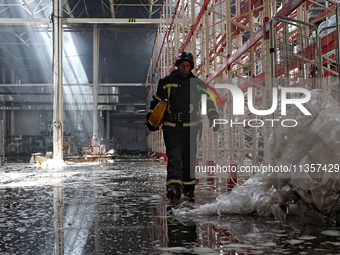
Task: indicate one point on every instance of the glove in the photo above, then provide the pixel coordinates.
(151, 128)
(216, 126)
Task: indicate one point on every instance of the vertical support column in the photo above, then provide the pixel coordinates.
(225, 8)
(108, 128)
(318, 43)
(337, 13)
(252, 59)
(205, 36)
(338, 43)
(228, 31)
(156, 70)
(239, 38)
(176, 36)
(240, 143)
(4, 111)
(13, 76)
(169, 40)
(13, 132)
(183, 27)
(3, 76)
(305, 41)
(12, 104)
(285, 57)
(193, 39)
(57, 80)
(223, 32)
(206, 40)
(267, 68)
(164, 27)
(4, 115)
(165, 71)
(161, 53)
(254, 140)
(229, 75)
(230, 129)
(95, 80)
(2, 143)
(213, 31)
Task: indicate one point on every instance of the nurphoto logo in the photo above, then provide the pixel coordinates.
(239, 105)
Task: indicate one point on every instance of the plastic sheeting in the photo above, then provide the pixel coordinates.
(310, 194)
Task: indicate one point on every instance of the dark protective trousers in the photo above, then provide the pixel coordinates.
(181, 148)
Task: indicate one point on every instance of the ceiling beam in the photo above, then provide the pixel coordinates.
(84, 20)
(23, 20)
(73, 84)
(114, 21)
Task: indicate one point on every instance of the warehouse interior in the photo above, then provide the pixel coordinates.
(77, 78)
(27, 62)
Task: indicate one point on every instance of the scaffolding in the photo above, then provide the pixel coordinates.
(232, 42)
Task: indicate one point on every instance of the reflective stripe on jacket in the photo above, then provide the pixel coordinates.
(183, 95)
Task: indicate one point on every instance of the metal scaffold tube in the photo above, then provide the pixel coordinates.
(338, 42)
(95, 80)
(232, 42)
(57, 80)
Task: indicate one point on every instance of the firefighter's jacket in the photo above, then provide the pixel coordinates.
(183, 95)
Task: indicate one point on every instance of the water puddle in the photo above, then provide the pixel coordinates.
(118, 208)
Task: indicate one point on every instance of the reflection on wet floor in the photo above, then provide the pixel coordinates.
(118, 208)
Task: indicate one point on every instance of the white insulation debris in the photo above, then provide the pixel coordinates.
(311, 151)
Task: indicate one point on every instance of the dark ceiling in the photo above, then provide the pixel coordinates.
(124, 49)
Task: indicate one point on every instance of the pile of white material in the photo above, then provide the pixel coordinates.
(54, 163)
(315, 140)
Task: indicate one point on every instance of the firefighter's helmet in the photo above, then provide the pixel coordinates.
(185, 56)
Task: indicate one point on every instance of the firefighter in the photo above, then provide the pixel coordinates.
(183, 92)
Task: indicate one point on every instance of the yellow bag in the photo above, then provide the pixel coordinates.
(157, 116)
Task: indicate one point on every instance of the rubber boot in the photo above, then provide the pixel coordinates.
(173, 191)
(189, 190)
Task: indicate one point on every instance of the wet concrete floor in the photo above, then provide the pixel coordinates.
(118, 208)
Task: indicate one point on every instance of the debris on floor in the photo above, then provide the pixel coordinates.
(306, 182)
